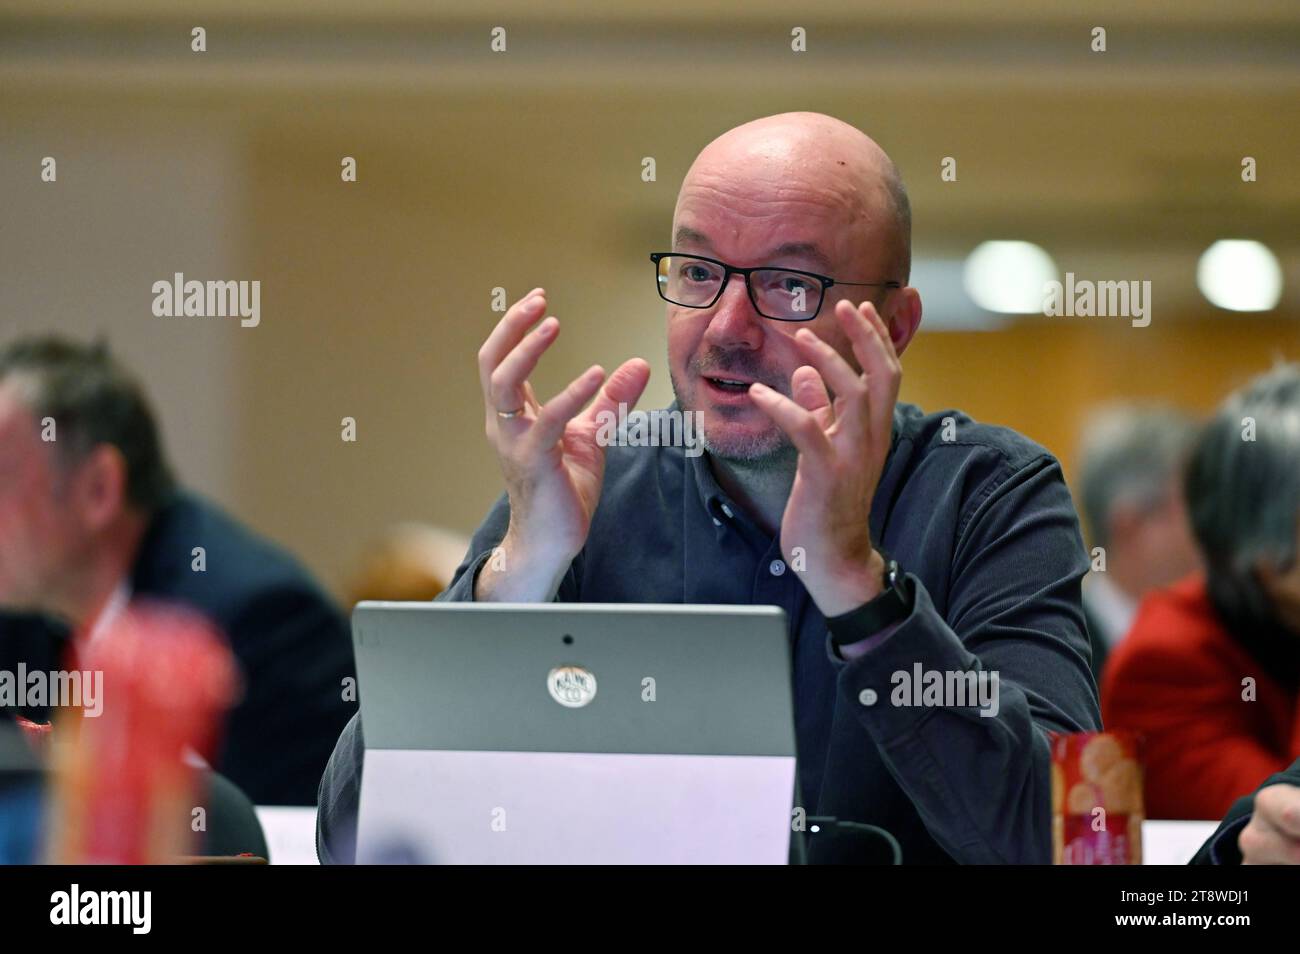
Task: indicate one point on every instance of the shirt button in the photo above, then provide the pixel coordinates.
(777, 567)
(727, 511)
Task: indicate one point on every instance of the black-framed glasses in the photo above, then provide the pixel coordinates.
(782, 294)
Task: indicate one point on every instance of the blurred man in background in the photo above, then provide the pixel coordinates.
(1210, 672)
(91, 517)
(1131, 462)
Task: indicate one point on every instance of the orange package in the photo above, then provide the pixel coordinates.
(1097, 809)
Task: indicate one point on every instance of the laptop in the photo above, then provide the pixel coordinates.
(574, 733)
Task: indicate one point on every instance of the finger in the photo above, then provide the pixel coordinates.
(868, 309)
(624, 386)
(530, 399)
(869, 339)
(835, 371)
(808, 390)
(1280, 807)
(851, 409)
(559, 410)
(1261, 844)
(799, 424)
(883, 371)
(506, 334)
(506, 383)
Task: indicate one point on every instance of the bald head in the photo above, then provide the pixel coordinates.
(812, 159)
(797, 191)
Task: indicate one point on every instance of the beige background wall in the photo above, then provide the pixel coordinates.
(137, 198)
(477, 173)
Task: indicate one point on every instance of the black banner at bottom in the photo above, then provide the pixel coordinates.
(213, 902)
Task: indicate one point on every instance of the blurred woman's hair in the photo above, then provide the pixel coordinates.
(1243, 493)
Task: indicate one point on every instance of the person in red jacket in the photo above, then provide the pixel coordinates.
(1210, 672)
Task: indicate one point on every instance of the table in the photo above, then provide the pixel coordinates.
(290, 833)
(1173, 842)
(291, 837)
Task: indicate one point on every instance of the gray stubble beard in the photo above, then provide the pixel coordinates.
(757, 456)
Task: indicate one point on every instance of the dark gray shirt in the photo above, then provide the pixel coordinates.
(981, 520)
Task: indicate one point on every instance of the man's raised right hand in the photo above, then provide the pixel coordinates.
(552, 464)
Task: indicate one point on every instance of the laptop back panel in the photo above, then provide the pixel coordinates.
(580, 733)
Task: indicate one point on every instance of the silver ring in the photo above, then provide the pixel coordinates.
(510, 414)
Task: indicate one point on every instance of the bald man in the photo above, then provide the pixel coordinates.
(929, 566)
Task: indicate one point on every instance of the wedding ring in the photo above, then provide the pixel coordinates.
(510, 414)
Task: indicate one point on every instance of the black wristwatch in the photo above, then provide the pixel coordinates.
(892, 605)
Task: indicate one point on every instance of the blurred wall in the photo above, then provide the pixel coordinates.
(476, 173)
(136, 199)
(1044, 379)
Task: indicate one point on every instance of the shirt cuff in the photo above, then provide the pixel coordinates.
(869, 641)
(867, 679)
(462, 588)
(864, 646)
(1223, 847)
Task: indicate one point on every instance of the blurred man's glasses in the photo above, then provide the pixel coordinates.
(782, 294)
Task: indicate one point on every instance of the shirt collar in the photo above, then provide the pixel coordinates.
(109, 614)
(1113, 608)
(713, 498)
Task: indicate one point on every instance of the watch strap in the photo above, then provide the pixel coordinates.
(892, 605)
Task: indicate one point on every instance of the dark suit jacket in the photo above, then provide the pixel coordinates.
(1221, 848)
(292, 644)
(39, 644)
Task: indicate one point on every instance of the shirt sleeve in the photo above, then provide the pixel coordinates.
(979, 773)
(863, 646)
(339, 796)
(1221, 847)
(482, 548)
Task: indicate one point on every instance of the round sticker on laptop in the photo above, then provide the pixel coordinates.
(571, 686)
